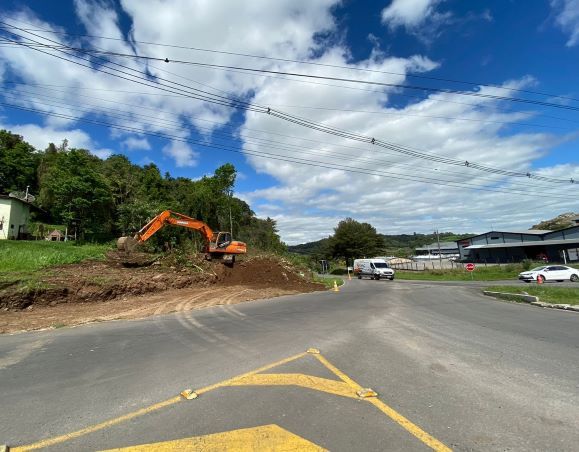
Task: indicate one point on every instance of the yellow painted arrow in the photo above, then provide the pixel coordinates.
(267, 438)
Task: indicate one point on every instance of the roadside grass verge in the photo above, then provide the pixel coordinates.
(328, 282)
(547, 294)
(26, 265)
(490, 273)
(23, 256)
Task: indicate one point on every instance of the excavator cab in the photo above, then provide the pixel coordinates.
(220, 240)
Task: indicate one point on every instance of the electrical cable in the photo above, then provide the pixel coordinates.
(297, 160)
(311, 63)
(344, 134)
(261, 141)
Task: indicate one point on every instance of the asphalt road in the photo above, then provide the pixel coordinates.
(451, 368)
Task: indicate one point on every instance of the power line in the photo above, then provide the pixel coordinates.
(310, 63)
(312, 125)
(257, 140)
(321, 77)
(297, 160)
(326, 77)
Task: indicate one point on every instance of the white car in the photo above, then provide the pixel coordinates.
(550, 273)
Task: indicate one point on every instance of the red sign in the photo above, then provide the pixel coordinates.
(469, 267)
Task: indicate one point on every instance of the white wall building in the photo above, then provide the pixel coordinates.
(14, 216)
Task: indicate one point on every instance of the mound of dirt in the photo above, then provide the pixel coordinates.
(264, 272)
(122, 275)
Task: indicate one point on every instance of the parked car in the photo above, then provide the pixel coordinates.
(374, 268)
(550, 273)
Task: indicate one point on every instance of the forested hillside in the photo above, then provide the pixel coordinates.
(393, 245)
(114, 197)
(559, 222)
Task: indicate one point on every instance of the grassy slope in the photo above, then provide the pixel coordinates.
(21, 256)
(25, 263)
(546, 293)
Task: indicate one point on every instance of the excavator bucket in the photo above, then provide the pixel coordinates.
(127, 244)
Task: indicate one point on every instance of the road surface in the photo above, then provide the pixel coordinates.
(452, 369)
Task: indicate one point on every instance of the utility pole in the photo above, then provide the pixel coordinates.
(439, 252)
(230, 217)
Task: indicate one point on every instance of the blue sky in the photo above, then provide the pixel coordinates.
(517, 44)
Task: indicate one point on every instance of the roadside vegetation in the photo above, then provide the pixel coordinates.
(481, 273)
(328, 281)
(547, 293)
(23, 256)
(27, 265)
(99, 200)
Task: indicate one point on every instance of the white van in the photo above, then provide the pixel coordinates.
(374, 268)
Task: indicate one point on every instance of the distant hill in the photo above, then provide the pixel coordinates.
(308, 248)
(394, 245)
(560, 222)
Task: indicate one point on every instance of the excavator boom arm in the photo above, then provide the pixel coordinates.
(174, 218)
(218, 244)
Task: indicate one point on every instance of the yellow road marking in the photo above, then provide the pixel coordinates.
(96, 427)
(427, 439)
(267, 437)
(142, 411)
(253, 372)
(341, 375)
(301, 380)
(346, 389)
(412, 428)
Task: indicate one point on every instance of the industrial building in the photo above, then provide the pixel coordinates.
(447, 249)
(515, 246)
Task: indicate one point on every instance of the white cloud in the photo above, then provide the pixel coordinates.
(136, 144)
(567, 17)
(408, 13)
(40, 137)
(181, 153)
(307, 201)
(315, 199)
(418, 17)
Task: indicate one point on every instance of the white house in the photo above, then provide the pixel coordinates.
(14, 215)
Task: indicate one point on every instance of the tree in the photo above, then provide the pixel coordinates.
(262, 234)
(73, 187)
(352, 239)
(18, 163)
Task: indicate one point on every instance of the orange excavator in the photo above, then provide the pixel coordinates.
(218, 245)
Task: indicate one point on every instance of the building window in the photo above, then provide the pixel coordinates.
(495, 238)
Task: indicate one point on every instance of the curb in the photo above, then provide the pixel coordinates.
(530, 299)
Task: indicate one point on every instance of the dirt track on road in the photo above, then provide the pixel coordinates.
(107, 290)
(136, 307)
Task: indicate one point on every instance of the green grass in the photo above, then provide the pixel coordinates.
(23, 256)
(481, 273)
(328, 282)
(546, 293)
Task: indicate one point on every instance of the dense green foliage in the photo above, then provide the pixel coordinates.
(352, 239)
(115, 197)
(18, 163)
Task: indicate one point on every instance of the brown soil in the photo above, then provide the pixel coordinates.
(137, 285)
